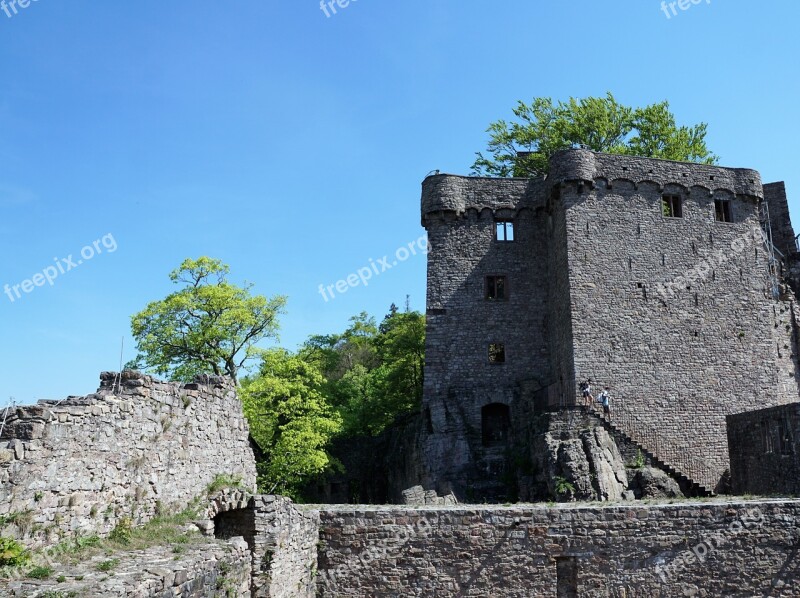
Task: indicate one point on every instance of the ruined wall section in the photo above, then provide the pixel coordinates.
(674, 313)
(135, 447)
(715, 549)
(765, 451)
(460, 214)
(285, 549)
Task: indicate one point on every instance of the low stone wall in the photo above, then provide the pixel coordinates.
(136, 447)
(207, 570)
(744, 548)
(285, 551)
(765, 451)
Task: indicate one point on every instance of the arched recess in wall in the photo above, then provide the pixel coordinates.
(495, 424)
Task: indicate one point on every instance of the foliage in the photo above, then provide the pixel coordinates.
(209, 326)
(638, 462)
(290, 420)
(40, 572)
(564, 489)
(12, 553)
(122, 532)
(523, 147)
(222, 481)
(108, 565)
(372, 373)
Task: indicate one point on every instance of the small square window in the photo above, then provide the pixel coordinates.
(504, 230)
(672, 206)
(722, 210)
(496, 289)
(497, 353)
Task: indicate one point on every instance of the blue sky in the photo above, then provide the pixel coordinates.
(292, 145)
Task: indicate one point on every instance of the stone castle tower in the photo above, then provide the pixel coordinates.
(649, 276)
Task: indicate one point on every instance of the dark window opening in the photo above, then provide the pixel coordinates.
(497, 353)
(567, 577)
(238, 522)
(766, 433)
(784, 439)
(496, 289)
(504, 230)
(722, 210)
(495, 424)
(672, 206)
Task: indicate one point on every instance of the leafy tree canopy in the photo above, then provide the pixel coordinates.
(290, 420)
(523, 147)
(209, 326)
(373, 372)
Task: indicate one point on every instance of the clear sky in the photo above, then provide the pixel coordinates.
(292, 145)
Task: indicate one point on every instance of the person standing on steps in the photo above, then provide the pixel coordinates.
(604, 398)
(586, 389)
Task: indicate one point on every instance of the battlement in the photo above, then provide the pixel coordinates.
(589, 166)
(650, 276)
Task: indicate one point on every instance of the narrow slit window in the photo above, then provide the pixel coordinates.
(722, 210)
(672, 206)
(496, 288)
(504, 230)
(497, 353)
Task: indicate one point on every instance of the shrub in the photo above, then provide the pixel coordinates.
(108, 565)
(123, 531)
(12, 553)
(40, 573)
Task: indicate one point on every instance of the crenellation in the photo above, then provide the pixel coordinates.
(674, 311)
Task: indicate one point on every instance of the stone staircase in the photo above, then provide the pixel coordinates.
(694, 476)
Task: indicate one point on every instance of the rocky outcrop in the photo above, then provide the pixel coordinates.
(649, 482)
(583, 463)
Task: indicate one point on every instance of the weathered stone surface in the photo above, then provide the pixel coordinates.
(649, 482)
(417, 495)
(135, 447)
(765, 451)
(285, 548)
(748, 548)
(672, 313)
(206, 570)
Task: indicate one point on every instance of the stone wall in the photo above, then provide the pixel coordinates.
(676, 314)
(201, 570)
(459, 214)
(742, 548)
(782, 229)
(136, 447)
(765, 451)
(285, 549)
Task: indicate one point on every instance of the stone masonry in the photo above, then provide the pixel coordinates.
(740, 549)
(136, 447)
(649, 276)
(765, 451)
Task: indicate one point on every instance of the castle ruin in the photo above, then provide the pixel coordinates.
(659, 279)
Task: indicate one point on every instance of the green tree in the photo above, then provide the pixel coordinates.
(209, 326)
(372, 373)
(290, 420)
(523, 147)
